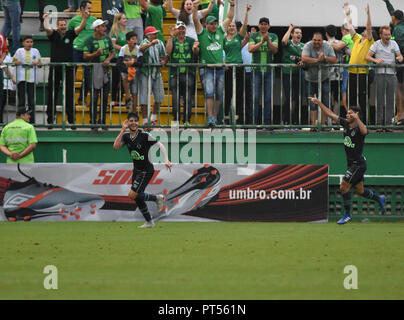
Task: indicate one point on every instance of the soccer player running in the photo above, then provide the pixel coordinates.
(354, 140)
(139, 143)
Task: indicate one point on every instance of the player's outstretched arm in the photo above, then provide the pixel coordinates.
(326, 110)
(164, 151)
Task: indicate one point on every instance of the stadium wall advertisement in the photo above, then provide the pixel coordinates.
(193, 192)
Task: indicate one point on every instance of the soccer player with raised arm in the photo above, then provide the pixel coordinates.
(354, 139)
(139, 143)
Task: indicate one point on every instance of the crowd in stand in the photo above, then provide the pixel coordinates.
(129, 38)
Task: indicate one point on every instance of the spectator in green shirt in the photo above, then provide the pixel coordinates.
(211, 40)
(154, 16)
(133, 13)
(182, 49)
(232, 47)
(292, 78)
(78, 43)
(98, 49)
(263, 45)
(118, 38)
(18, 139)
(204, 4)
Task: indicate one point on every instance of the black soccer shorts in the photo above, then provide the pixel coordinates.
(140, 180)
(355, 172)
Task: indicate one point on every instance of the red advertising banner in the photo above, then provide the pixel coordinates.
(192, 192)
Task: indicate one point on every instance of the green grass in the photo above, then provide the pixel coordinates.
(115, 260)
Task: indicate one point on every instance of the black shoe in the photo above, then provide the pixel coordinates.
(73, 127)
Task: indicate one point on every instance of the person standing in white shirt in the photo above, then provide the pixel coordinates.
(185, 15)
(27, 59)
(385, 51)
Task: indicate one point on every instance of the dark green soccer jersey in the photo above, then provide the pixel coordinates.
(211, 46)
(264, 54)
(154, 17)
(232, 48)
(291, 54)
(92, 44)
(182, 53)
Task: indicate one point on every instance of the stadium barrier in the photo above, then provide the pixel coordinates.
(250, 95)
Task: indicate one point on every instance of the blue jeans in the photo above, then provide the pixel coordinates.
(262, 85)
(71, 3)
(12, 12)
(213, 82)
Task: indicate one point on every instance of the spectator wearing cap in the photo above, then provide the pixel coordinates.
(154, 16)
(184, 14)
(397, 22)
(263, 45)
(18, 138)
(85, 9)
(232, 47)
(98, 49)
(182, 50)
(154, 52)
(211, 41)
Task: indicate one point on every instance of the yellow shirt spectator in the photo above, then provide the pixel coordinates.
(359, 51)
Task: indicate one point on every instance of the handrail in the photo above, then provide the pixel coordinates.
(278, 103)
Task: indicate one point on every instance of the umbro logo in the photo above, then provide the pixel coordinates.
(17, 199)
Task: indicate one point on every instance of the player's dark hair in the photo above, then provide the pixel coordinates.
(356, 110)
(132, 115)
(130, 35)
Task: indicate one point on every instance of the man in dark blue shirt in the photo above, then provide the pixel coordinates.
(139, 143)
(354, 140)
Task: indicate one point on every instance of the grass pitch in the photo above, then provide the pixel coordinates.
(115, 260)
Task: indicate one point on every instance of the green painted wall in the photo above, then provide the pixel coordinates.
(384, 151)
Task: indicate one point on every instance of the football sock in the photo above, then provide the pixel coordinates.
(369, 194)
(347, 202)
(143, 196)
(144, 210)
